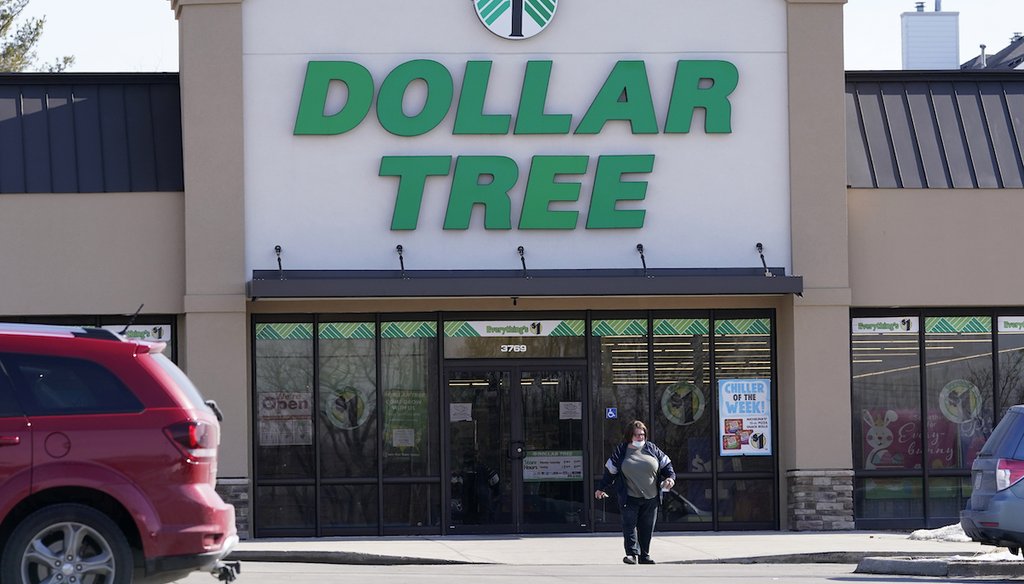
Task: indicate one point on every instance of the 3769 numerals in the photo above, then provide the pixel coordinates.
(513, 348)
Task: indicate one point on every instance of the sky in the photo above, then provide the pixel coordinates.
(143, 36)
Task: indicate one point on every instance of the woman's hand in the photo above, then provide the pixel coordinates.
(667, 484)
(599, 494)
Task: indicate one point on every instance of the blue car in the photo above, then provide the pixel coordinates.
(995, 512)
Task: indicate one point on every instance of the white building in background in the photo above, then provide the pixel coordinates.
(931, 40)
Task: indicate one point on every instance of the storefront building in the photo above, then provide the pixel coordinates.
(431, 259)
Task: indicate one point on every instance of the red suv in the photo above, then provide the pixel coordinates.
(108, 461)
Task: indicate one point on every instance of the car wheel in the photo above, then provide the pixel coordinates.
(1014, 550)
(67, 543)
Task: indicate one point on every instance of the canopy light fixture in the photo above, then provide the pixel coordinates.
(280, 270)
(643, 260)
(760, 252)
(401, 259)
(522, 257)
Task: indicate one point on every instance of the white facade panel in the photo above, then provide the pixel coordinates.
(709, 199)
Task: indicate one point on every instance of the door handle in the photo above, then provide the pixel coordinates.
(10, 440)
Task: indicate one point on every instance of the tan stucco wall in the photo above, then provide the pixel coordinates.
(215, 353)
(92, 253)
(935, 247)
(814, 368)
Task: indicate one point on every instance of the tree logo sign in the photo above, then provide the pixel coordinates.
(515, 19)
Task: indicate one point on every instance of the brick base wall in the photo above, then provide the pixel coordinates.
(236, 492)
(820, 500)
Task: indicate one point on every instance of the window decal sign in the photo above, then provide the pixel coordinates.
(895, 324)
(1011, 324)
(745, 417)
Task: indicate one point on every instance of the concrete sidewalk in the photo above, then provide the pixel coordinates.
(606, 548)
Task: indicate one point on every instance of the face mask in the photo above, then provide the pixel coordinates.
(639, 443)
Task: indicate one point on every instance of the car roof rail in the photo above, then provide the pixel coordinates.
(85, 332)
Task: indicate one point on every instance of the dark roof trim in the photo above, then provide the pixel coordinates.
(87, 78)
(917, 75)
(483, 283)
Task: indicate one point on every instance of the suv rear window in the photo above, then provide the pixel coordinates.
(181, 380)
(55, 386)
(8, 403)
(1007, 430)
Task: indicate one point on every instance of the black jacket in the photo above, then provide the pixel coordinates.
(613, 468)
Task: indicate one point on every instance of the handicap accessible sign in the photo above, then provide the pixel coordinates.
(745, 417)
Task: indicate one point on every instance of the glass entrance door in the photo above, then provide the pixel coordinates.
(515, 449)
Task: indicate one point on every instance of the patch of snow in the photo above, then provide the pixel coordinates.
(999, 555)
(948, 533)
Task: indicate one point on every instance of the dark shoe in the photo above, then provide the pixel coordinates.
(646, 560)
(629, 560)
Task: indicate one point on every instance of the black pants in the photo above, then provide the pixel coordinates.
(638, 518)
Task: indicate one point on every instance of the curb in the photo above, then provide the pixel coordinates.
(917, 566)
(311, 557)
(809, 558)
(894, 563)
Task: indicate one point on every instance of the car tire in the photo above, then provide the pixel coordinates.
(1014, 550)
(99, 548)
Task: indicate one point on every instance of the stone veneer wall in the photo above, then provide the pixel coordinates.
(820, 500)
(236, 492)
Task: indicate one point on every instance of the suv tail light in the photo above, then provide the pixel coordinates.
(1008, 472)
(195, 439)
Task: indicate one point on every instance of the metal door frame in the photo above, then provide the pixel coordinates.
(517, 430)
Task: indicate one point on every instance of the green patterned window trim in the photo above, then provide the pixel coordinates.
(284, 331)
(408, 330)
(674, 327)
(619, 328)
(459, 328)
(570, 328)
(747, 326)
(347, 330)
(957, 324)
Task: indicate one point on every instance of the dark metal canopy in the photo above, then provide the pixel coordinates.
(483, 283)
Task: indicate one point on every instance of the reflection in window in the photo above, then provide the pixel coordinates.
(886, 401)
(682, 403)
(619, 379)
(746, 501)
(286, 510)
(347, 413)
(885, 498)
(409, 381)
(1010, 389)
(958, 356)
(284, 400)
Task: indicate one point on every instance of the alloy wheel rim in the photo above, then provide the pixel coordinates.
(68, 553)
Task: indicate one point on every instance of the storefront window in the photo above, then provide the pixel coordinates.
(284, 427)
(743, 351)
(1010, 388)
(886, 395)
(409, 383)
(888, 498)
(958, 357)
(970, 377)
(411, 446)
(347, 412)
(284, 400)
(683, 412)
(620, 381)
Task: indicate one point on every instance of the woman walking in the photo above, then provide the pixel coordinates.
(639, 470)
